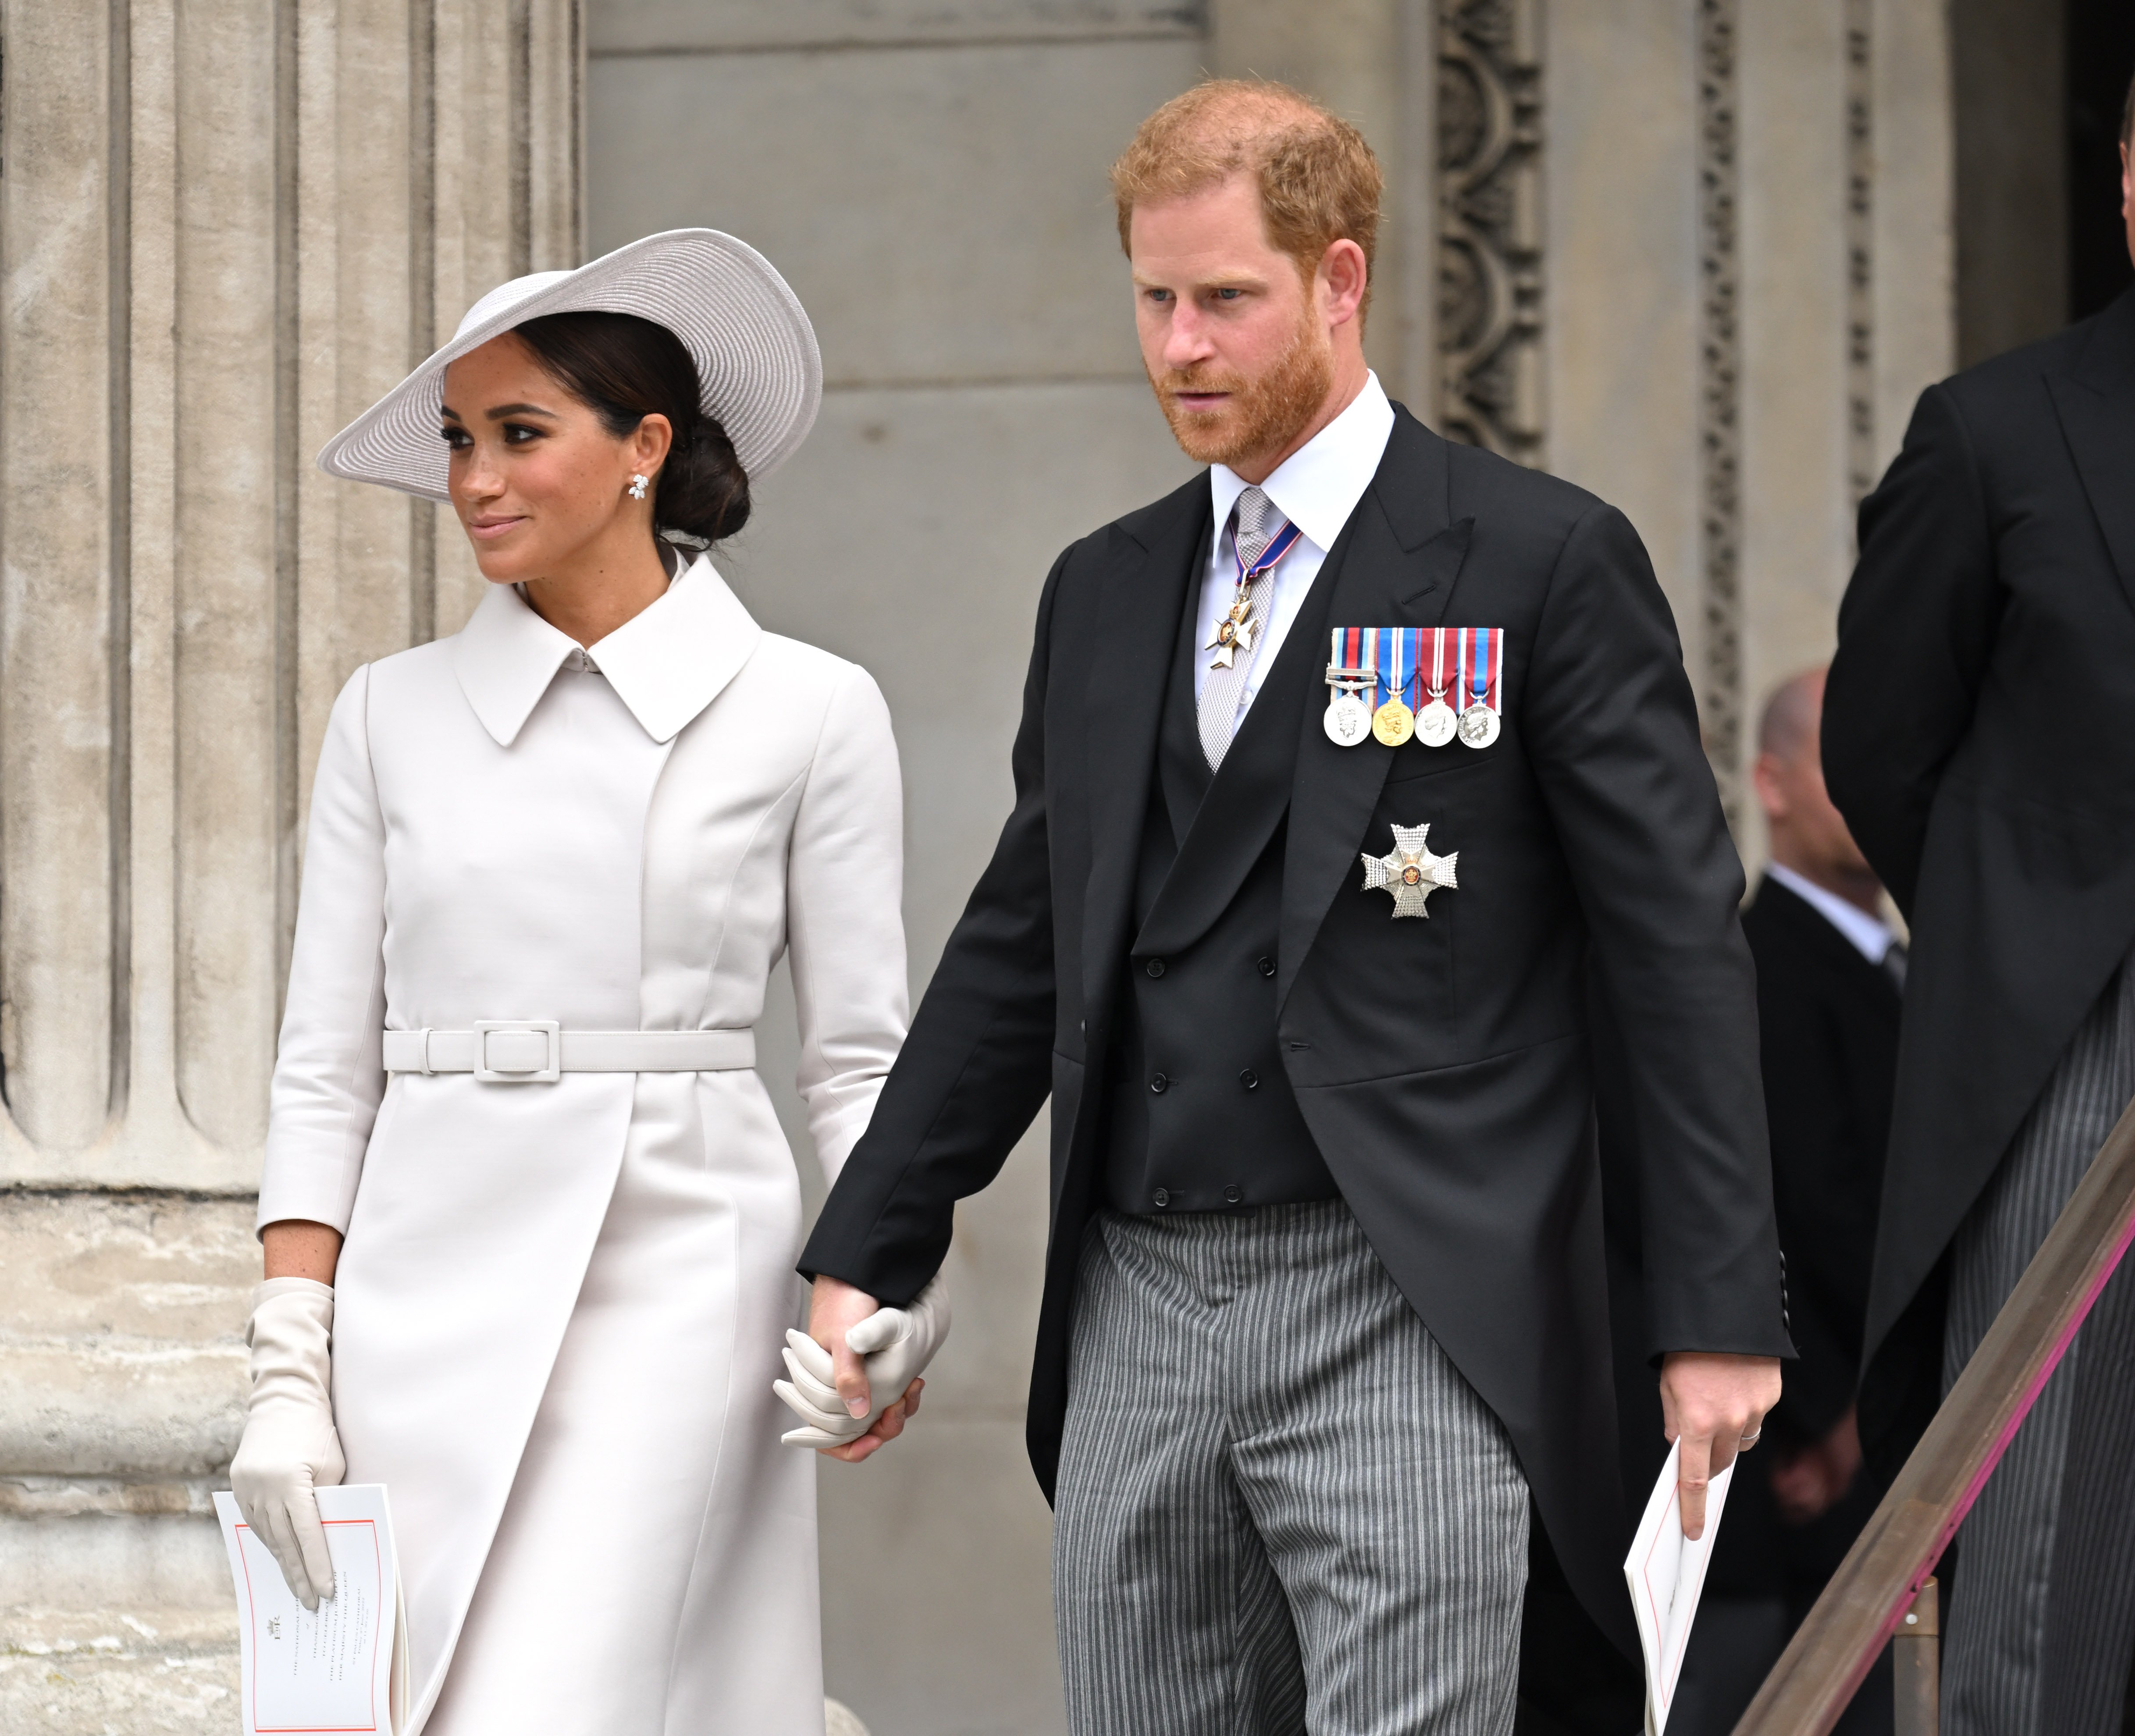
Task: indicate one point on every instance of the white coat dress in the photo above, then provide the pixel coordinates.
(558, 1305)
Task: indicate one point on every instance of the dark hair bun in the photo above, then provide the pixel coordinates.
(624, 368)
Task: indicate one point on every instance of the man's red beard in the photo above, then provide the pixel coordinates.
(1261, 415)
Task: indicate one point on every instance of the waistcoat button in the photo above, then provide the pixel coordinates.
(1233, 1195)
(1250, 1079)
(1154, 967)
(1265, 966)
(1159, 1084)
(1162, 1196)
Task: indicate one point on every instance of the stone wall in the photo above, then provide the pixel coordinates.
(1693, 254)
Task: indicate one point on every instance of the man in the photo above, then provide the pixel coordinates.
(1979, 737)
(1829, 977)
(1324, 1299)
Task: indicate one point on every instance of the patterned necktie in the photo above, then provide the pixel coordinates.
(1254, 525)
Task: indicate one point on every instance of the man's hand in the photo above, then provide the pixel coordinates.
(835, 1308)
(1714, 1405)
(1810, 1482)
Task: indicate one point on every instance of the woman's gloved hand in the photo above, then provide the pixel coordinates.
(290, 1447)
(895, 1345)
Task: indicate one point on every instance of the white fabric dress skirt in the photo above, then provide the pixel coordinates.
(559, 1305)
(644, 1425)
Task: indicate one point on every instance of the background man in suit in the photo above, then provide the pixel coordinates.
(1830, 976)
(1324, 1305)
(1979, 737)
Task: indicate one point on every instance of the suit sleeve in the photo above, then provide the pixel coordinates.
(329, 1073)
(977, 1065)
(1612, 731)
(1914, 633)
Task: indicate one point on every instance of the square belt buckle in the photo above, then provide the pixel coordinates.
(522, 1061)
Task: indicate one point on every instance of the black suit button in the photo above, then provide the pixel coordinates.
(1162, 1196)
(1265, 966)
(1160, 1085)
(1233, 1195)
(1154, 967)
(1250, 1079)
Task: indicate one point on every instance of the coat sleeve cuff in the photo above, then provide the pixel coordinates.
(319, 1193)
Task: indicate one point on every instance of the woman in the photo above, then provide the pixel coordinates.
(518, 1165)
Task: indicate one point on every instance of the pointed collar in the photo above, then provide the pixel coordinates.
(666, 663)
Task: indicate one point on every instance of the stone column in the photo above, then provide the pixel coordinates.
(229, 224)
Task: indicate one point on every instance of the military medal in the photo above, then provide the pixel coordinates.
(1240, 626)
(1393, 722)
(1435, 724)
(1410, 871)
(1349, 677)
(1482, 657)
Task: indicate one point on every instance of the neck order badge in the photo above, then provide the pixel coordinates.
(1238, 628)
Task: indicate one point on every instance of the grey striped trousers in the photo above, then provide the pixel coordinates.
(1280, 1508)
(2042, 1611)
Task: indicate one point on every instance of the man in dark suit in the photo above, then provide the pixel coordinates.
(1830, 976)
(1979, 737)
(1324, 1315)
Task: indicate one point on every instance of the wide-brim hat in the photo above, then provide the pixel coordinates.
(759, 370)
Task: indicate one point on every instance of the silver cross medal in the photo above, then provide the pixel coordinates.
(1409, 871)
(1234, 632)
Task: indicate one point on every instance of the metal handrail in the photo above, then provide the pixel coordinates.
(1867, 1598)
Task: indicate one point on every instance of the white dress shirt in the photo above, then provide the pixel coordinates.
(1870, 935)
(1316, 488)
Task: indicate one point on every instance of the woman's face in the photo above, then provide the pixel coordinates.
(538, 480)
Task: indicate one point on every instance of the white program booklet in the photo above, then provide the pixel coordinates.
(341, 1667)
(1667, 1572)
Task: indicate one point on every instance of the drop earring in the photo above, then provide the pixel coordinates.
(637, 485)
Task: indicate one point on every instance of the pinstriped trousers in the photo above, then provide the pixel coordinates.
(1280, 1509)
(2042, 1610)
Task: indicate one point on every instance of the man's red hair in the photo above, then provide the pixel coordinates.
(1319, 180)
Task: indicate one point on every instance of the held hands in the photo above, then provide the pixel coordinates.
(1715, 1405)
(290, 1446)
(855, 1375)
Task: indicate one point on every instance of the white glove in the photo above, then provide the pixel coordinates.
(895, 1345)
(290, 1447)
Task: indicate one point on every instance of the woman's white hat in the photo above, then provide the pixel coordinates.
(757, 366)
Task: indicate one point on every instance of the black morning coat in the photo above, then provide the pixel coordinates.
(1440, 1064)
(1979, 738)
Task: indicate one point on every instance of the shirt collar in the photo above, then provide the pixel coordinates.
(1318, 486)
(1870, 935)
(666, 663)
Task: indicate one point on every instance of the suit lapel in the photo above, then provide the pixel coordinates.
(1250, 791)
(1399, 572)
(2095, 400)
(1137, 617)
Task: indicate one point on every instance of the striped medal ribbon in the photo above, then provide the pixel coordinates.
(1482, 674)
(1393, 722)
(1352, 673)
(1436, 724)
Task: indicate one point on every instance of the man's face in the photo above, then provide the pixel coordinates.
(1233, 336)
(1797, 805)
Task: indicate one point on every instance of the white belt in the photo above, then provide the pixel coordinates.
(535, 1051)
